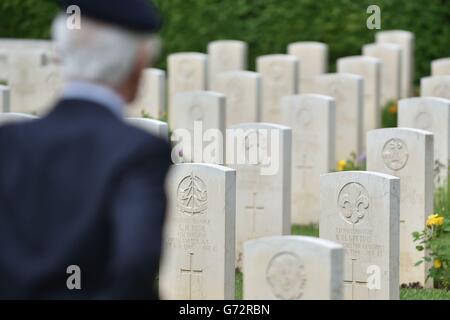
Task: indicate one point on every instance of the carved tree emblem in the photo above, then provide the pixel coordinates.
(395, 154)
(192, 196)
(353, 202)
(286, 276)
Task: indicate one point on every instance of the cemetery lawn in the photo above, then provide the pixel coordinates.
(405, 294)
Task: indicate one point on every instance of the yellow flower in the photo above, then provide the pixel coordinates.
(437, 263)
(393, 108)
(435, 220)
(341, 165)
(439, 221)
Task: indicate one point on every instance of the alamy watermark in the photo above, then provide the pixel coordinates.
(260, 147)
(73, 21)
(73, 281)
(374, 20)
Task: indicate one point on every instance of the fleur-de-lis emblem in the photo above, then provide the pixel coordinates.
(353, 202)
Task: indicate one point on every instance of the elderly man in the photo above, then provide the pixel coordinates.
(82, 199)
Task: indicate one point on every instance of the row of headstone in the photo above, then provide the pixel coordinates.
(406, 41)
(33, 78)
(390, 56)
(155, 127)
(360, 218)
(208, 202)
(352, 205)
(8, 47)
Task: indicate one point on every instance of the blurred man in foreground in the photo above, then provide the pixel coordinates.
(80, 189)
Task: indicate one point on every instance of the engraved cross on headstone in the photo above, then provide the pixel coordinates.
(354, 282)
(253, 209)
(190, 271)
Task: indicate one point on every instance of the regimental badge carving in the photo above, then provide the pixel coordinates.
(442, 90)
(423, 121)
(395, 154)
(286, 276)
(192, 196)
(196, 112)
(353, 202)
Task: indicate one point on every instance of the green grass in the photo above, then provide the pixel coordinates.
(239, 287)
(424, 294)
(405, 294)
(308, 230)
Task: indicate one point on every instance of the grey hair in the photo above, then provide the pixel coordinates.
(99, 52)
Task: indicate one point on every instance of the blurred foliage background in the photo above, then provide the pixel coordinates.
(268, 25)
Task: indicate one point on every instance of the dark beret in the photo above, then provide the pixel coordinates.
(137, 15)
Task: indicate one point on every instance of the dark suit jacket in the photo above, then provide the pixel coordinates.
(80, 187)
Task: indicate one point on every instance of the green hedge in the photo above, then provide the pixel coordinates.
(269, 25)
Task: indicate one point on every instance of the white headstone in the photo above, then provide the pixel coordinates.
(50, 85)
(430, 114)
(312, 119)
(293, 268)
(407, 154)
(440, 67)
(226, 55)
(155, 127)
(313, 57)
(3, 65)
(438, 86)
(151, 99)
(198, 124)
(347, 90)
(10, 118)
(279, 78)
(405, 40)
(391, 69)
(24, 80)
(187, 72)
(360, 211)
(11, 46)
(369, 69)
(198, 253)
(263, 184)
(242, 90)
(4, 99)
